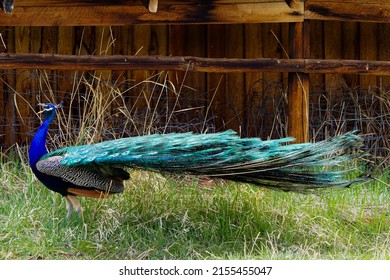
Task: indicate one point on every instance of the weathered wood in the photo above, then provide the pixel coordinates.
(332, 50)
(95, 13)
(65, 45)
(298, 86)
(368, 51)
(345, 66)
(348, 10)
(272, 38)
(187, 63)
(88, 12)
(235, 83)
(254, 82)
(23, 85)
(384, 54)
(350, 49)
(216, 83)
(317, 45)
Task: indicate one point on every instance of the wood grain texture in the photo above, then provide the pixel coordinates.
(348, 10)
(189, 63)
(95, 13)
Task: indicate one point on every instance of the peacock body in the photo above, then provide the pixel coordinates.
(98, 170)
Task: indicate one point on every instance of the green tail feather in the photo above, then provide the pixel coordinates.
(225, 155)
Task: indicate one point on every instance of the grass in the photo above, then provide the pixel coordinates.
(171, 218)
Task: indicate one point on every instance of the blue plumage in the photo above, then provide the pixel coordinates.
(98, 170)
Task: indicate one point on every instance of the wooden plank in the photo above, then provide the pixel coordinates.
(65, 45)
(123, 45)
(235, 83)
(216, 83)
(254, 81)
(350, 49)
(189, 40)
(8, 132)
(317, 81)
(384, 53)
(272, 38)
(187, 63)
(91, 13)
(368, 51)
(142, 104)
(332, 50)
(298, 86)
(49, 45)
(23, 84)
(348, 10)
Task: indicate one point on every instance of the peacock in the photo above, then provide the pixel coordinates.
(99, 170)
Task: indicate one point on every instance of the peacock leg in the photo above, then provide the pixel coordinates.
(69, 207)
(72, 203)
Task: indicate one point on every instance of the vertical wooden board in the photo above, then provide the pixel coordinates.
(104, 42)
(3, 104)
(272, 48)
(253, 80)
(121, 46)
(189, 40)
(141, 94)
(285, 41)
(216, 82)
(316, 51)
(177, 47)
(368, 51)
(65, 79)
(22, 86)
(5, 94)
(298, 84)
(85, 40)
(197, 81)
(159, 94)
(103, 46)
(36, 46)
(384, 52)
(10, 118)
(235, 83)
(49, 45)
(332, 50)
(177, 37)
(159, 44)
(350, 49)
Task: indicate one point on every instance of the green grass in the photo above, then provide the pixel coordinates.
(166, 218)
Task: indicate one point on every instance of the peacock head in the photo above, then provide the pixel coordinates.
(49, 109)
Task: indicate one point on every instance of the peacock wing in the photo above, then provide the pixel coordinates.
(83, 176)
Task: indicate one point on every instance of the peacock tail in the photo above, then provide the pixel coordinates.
(224, 155)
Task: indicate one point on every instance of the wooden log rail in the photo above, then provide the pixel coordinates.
(190, 63)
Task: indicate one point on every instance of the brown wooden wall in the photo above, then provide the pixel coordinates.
(234, 96)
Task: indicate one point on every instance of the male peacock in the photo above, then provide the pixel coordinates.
(97, 170)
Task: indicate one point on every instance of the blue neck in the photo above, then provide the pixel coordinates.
(38, 143)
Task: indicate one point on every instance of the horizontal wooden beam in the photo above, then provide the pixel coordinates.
(127, 12)
(189, 63)
(348, 10)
